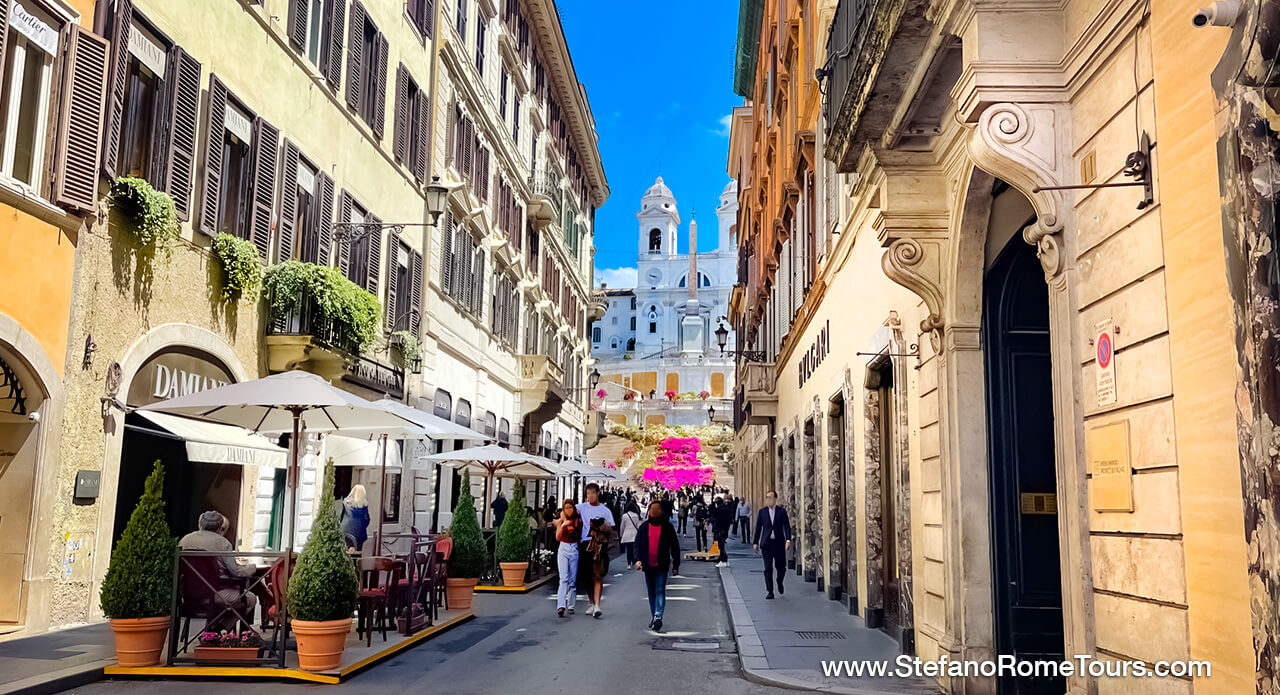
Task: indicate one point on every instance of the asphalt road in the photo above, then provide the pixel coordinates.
(516, 644)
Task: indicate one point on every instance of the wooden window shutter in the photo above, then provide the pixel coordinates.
(344, 246)
(326, 218)
(451, 148)
(477, 305)
(121, 24)
(298, 23)
(392, 311)
(446, 253)
(84, 85)
(289, 203)
(423, 135)
(468, 146)
(332, 68)
(215, 133)
(466, 259)
(428, 19)
(375, 255)
(484, 175)
(266, 140)
(415, 272)
(380, 86)
(355, 54)
(400, 129)
(182, 131)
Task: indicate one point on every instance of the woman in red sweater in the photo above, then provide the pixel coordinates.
(657, 551)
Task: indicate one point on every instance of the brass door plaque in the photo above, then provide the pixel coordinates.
(1111, 479)
(1039, 503)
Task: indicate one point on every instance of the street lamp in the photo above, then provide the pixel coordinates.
(711, 414)
(722, 336)
(722, 339)
(436, 194)
(594, 378)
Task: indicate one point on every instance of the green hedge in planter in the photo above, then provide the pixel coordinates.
(241, 271)
(470, 557)
(349, 309)
(514, 542)
(324, 584)
(155, 219)
(139, 581)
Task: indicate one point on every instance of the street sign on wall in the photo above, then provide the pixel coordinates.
(1104, 347)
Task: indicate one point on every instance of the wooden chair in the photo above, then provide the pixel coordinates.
(440, 571)
(377, 576)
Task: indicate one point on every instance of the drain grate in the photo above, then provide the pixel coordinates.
(819, 634)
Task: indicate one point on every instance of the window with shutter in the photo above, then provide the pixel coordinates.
(446, 254)
(266, 139)
(291, 194)
(331, 60)
(415, 301)
(466, 257)
(375, 254)
(79, 135)
(400, 285)
(400, 128)
(421, 133)
(356, 54)
(481, 30)
(393, 284)
(377, 116)
(461, 19)
(28, 103)
(477, 296)
(345, 205)
(324, 217)
(182, 132)
(422, 12)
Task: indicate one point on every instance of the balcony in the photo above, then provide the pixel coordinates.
(597, 307)
(759, 396)
(542, 393)
(545, 201)
(595, 429)
(873, 48)
(303, 339)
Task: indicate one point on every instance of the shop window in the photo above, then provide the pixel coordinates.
(391, 510)
(367, 69)
(240, 169)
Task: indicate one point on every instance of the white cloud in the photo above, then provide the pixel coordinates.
(725, 122)
(616, 278)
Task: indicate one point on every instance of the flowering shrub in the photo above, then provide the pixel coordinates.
(672, 396)
(601, 393)
(228, 638)
(704, 395)
(677, 464)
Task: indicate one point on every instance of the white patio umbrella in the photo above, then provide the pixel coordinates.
(437, 427)
(494, 461)
(286, 402)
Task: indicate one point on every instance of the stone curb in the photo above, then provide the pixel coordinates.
(57, 681)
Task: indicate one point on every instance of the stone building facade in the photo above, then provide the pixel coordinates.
(1037, 432)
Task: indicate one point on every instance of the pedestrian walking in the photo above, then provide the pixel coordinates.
(744, 520)
(597, 528)
(722, 516)
(733, 528)
(627, 529)
(683, 515)
(657, 552)
(773, 537)
(499, 507)
(354, 518)
(568, 531)
(700, 515)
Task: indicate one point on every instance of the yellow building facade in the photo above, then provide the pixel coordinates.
(1006, 406)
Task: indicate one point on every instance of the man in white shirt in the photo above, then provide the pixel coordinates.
(592, 509)
(744, 519)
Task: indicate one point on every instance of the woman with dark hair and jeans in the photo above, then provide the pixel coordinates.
(568, 529)
(657, 551)
(628, 527)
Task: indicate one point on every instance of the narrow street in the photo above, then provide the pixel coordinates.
(517, 644)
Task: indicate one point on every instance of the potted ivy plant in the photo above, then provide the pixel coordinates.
(323, 589)
(514, 543)
(137, 592)
(470, 557)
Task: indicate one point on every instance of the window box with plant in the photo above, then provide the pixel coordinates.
(470, 557)
(137, 592)
(323, 589)
(228, 646)
(409, 348)
(319, 301)
(152, 214)
(241, 271)
(514, 543)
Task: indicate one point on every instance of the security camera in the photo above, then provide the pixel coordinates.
(1222, 13)
(33, 416)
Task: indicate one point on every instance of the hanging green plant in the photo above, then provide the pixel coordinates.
(155, 219)
(241, 271)
(351, 313)
(410, 348)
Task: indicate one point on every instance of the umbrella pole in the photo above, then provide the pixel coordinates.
(382, 492)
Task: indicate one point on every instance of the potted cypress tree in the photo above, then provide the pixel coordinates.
(137, 592)
(514, 543)
(470, 557)
(323, 589)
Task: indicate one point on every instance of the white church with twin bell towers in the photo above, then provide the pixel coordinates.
(660, 336)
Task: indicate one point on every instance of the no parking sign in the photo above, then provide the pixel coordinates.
(1105, 352)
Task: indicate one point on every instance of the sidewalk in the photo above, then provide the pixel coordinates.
(773, 650)
(55, 661)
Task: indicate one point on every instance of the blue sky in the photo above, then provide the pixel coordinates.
(659, 76)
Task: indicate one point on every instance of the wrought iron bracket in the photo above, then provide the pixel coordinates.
(353, 231)
(1137, 165)
(746, 355)
(915, 352)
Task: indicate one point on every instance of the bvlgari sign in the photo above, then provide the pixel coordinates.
(176, 373)
(817, 352)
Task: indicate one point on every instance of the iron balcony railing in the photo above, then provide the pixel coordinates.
(547, 183)
(306, 319)
(845, 41)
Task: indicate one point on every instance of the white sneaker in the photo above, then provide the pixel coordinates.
(722, 564)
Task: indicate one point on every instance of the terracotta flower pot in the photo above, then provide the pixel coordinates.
(513, 573)
(320, 643)
(139, 641)
(459, 591)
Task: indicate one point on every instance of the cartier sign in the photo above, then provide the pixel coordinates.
(817, 352)
(176, 373)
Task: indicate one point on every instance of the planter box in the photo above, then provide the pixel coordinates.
(215, 655)
(405, 626)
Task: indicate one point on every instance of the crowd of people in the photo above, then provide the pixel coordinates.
(650, 539)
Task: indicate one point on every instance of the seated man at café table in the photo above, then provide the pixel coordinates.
(229, 585)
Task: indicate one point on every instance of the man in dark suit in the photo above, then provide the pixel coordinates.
(773, 536)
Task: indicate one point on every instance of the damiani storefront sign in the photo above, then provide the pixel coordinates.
(176, 373)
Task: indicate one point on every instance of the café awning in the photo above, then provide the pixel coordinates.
(210, 442)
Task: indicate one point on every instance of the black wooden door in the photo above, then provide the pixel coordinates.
(1024, 522)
